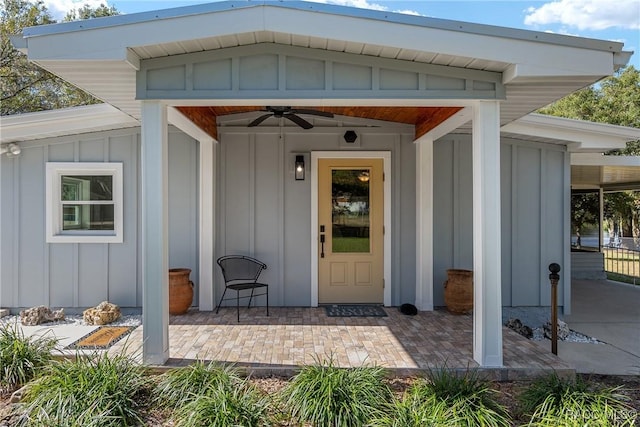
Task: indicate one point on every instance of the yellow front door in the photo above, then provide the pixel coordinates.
(350, 218)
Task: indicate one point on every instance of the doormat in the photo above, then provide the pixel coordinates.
(102, 338)
(355, 311)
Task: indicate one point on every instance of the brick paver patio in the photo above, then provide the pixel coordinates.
(291, 337)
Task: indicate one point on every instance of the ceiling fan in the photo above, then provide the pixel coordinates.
(290, 114)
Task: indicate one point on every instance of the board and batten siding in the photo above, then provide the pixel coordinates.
(534, 228)
(264, 212)
(80, 275)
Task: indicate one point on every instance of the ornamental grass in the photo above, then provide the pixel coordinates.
(326, 395)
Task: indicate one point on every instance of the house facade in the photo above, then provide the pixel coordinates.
(411, 151)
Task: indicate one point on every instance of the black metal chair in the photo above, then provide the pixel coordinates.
(241, 273)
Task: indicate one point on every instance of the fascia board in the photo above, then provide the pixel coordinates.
(69, 120)
(584, 135)
(110, 42)
(595, 159)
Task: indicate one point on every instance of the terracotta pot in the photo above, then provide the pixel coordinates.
(458, 291)
(180, 290)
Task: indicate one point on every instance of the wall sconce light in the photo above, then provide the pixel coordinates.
(350, 136)
(11, 150)
(299, 171)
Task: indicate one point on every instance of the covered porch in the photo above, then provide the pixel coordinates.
(235, 61)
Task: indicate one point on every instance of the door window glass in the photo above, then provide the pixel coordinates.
(350, 210)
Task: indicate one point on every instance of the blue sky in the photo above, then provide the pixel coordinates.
(617, 20)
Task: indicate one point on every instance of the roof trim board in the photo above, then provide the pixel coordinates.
(405, 19)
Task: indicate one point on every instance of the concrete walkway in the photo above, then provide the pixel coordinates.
(610, 312)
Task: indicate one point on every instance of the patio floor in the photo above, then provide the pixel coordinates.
(291, 337)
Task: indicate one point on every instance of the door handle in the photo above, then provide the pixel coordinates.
(322, 246)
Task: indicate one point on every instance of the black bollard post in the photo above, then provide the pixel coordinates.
(553, 278)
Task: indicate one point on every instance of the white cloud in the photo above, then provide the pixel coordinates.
(365, 4)
(587, 14)
(60, 8)
(362, 4)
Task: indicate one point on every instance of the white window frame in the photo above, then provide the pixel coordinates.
(54, 206)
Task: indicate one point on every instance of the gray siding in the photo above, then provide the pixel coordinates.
(533, 226)
(262, 211)
(73, 275)
(266, 213)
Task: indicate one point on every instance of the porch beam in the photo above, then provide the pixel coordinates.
(487, 291)
(424, 223)
(155, 233)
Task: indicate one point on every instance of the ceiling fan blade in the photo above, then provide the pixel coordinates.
(299, 121)
(313, 112)
(259, 120)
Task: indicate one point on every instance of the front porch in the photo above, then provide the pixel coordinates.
(291, 337)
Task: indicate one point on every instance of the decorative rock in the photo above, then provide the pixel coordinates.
(517, 326)
(563, 330)
(102, 314)
(36, 315)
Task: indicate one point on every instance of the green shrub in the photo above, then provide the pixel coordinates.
(325, 395)
(470, 399)
(179, 386)
(554, 401)
(219, 405)
(210, 394)
(90, 391)
(415, 409)
(21, 357)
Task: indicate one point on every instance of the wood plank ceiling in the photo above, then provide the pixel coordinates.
(423, 118)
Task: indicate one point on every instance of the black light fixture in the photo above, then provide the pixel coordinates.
(299, 168)
(350, 136)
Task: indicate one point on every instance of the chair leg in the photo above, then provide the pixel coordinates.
(238, 304)
(267, 300)
(250, 298)
(221, 299)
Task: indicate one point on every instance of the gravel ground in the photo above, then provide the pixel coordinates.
(76, 319)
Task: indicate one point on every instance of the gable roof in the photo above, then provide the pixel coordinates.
(102, 55)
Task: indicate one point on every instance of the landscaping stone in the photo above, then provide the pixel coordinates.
(103, 314)
(36, 315)
(517, 326)
(563, 330)
(4, 312)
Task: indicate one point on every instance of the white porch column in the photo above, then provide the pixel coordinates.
(424, 223)
(155, 233)
(207, 224)
(487, 292)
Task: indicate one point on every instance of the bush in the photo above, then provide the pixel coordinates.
(416, 409)
(219, 405)
(179, 386)
(210, 394)
(91, 391)
(21, 357)
(554, 401)
(445, 398)
(325, 395)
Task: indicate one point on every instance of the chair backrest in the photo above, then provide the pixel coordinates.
(240, 267)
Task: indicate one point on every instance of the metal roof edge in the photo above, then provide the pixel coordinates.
(382, 16)
(604, 129)
(36, 125)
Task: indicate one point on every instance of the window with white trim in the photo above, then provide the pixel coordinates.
(84, 202)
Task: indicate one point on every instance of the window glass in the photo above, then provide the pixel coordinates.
(86, 188)
(350, 212)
